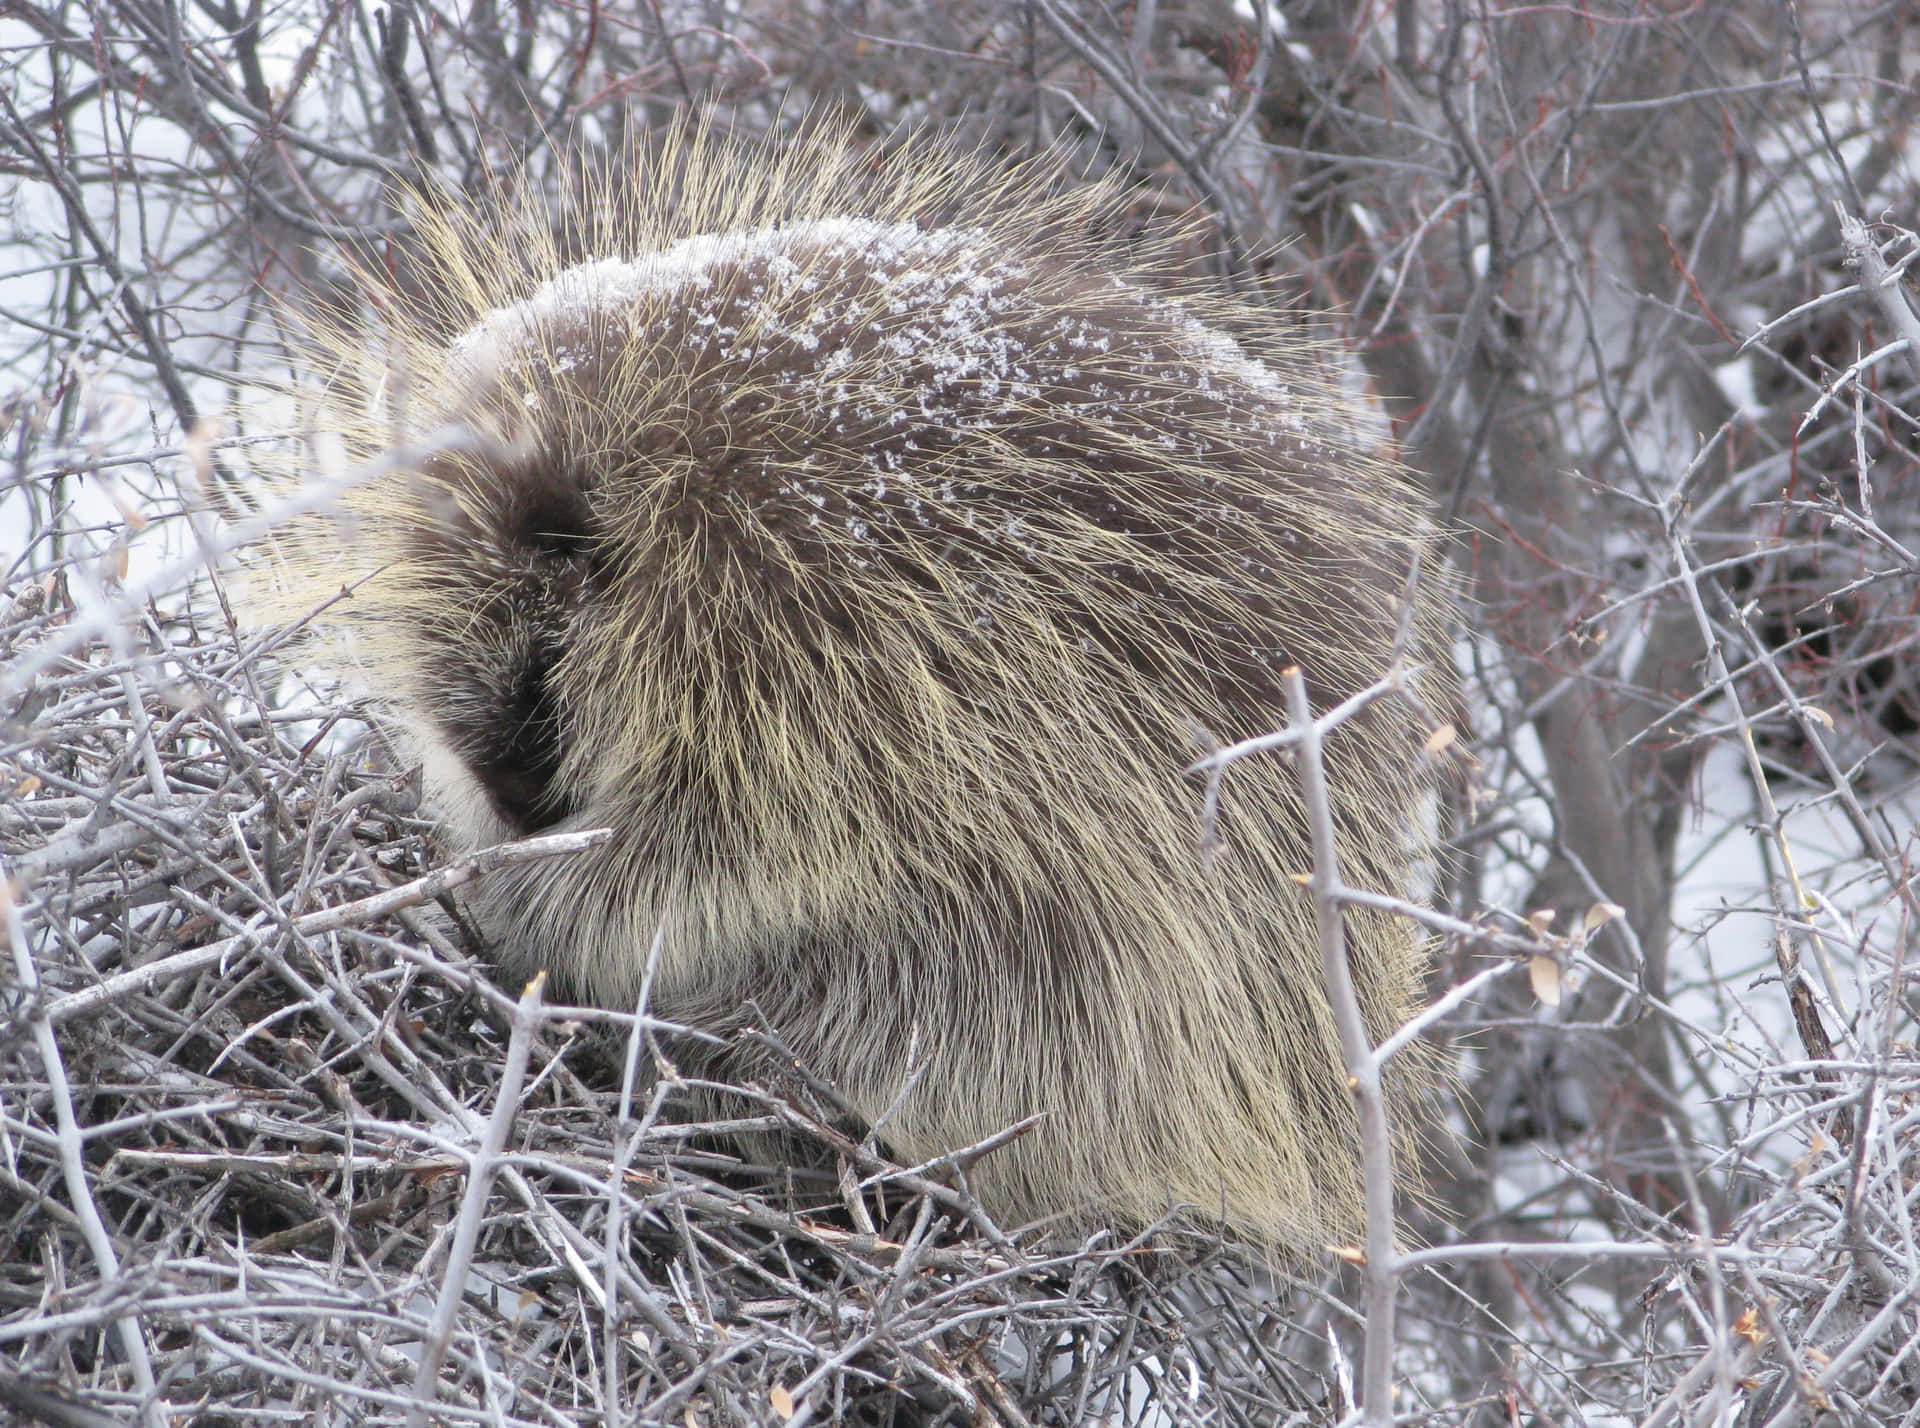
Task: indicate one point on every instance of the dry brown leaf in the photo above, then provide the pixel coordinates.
(1544, 973)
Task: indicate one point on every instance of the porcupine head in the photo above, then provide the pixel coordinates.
(866, 542)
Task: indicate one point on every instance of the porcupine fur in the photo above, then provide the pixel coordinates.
(873, 551)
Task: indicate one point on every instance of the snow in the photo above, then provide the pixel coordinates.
(950, 288)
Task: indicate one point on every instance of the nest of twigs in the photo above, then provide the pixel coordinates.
(275, 1147)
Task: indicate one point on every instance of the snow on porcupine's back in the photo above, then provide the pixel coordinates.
(776, 298)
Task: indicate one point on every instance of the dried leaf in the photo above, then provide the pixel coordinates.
(199, 449)
(1600, 914)
(1544, 973)
(135, 518)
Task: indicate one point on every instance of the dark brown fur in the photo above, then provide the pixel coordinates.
(876, 584)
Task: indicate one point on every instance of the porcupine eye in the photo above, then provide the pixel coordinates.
(511, 729)
(550, 523)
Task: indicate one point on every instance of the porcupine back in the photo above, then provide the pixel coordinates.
(873, 553)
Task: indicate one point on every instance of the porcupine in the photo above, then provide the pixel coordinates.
(874, 551)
